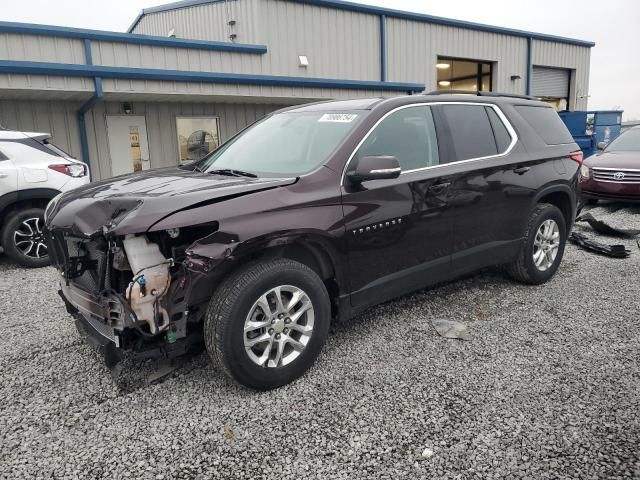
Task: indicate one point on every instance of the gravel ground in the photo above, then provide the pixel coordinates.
(548, 387)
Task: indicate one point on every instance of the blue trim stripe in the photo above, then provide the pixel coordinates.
(133, 38)
(358, 7)
(77, 70)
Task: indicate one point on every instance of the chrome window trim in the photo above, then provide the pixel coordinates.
(501, 116)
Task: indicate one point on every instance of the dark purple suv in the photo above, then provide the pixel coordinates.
(311, 215)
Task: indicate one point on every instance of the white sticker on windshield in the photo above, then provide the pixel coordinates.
(338, 117)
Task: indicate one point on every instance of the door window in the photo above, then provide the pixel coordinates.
(471, 133)
(409, 135)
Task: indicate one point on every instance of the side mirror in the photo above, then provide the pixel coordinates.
(375, 168)
(602, 145)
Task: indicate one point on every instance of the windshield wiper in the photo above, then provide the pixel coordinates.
(232, 172)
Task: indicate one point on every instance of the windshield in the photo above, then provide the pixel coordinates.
(287, 143)
(628, 141)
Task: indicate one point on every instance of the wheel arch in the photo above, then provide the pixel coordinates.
(314, 251)
(563, 197)
(21, 199)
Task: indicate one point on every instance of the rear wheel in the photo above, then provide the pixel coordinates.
(23, 240)
(543, 246)
(267, 323)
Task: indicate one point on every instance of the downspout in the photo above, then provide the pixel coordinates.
(529, 64)
(88, 105)
(383, 48)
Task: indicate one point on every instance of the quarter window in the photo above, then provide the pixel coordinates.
(500, 132)
(471, 133)
(409, 135)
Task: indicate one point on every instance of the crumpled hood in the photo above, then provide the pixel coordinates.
(133, 203)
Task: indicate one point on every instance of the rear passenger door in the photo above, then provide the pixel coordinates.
(493, 190)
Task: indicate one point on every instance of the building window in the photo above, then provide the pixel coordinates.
(197, 136)
(464, 75)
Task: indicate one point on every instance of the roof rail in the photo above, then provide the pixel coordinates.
(481, 94)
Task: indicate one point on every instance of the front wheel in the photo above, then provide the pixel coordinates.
(267, 323)
(23, 239)
(542, 248)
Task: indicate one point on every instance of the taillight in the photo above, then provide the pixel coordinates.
(577, 157)
(72, 170)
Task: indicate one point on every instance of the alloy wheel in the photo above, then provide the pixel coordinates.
(29, 238)
(279, 326)
(546, 245)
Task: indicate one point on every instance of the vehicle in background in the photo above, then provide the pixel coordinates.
(32, 172)
(313, 214)
(614, 172)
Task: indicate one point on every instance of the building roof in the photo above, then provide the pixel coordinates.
(358, 7)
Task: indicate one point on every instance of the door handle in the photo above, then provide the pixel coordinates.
(4, 175)
(521, 170)
(439, 187)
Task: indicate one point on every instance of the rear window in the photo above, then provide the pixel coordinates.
(546, 122)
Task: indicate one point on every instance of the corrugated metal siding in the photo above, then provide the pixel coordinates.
(161, 127)
(146, 56)
(34, 48)
(413, 49)
(552, 54)
(338, 43)
(56, 118)
(144, 87)
(205, 22)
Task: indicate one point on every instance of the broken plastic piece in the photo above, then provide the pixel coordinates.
(606, 229)
(451, 329)
(616, 251)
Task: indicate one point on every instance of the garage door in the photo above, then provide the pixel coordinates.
(550, 82)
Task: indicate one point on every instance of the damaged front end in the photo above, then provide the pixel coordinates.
(134, 285)
(133, 292)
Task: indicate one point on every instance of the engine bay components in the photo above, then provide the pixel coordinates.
(150, 283)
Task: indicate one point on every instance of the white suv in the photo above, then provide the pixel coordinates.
(32, 172)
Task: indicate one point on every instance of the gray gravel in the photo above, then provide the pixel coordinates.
(547, 388)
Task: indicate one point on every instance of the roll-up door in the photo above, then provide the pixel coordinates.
(550, 82)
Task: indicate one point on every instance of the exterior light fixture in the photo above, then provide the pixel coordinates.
(443, 66)
(303, 61)
(444, 83)
(515, 77)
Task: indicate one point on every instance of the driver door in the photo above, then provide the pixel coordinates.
(400, 231)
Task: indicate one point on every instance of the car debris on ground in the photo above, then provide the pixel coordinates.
(605, 222)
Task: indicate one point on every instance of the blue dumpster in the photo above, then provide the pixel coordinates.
(588, 128)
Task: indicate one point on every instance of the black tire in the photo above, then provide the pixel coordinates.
(524, 269)
(230, 305)
(13, 224)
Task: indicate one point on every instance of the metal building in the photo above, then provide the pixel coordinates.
(190, 74)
